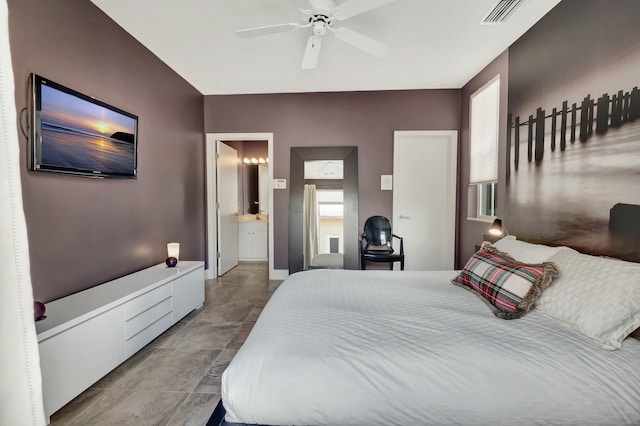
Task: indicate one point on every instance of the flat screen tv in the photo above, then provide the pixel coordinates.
(77, 134)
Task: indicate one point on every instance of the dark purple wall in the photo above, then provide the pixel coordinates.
(471, 232)
(256, 149)
(363, 119)
(83, 232)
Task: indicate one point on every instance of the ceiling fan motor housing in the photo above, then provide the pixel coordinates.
(320, 24)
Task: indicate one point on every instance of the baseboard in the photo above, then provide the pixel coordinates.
(210, 273)
(278, 274)
(274, 274)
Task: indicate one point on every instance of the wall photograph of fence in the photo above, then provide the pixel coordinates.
(573, 136)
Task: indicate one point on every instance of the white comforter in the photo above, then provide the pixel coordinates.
(409, 348)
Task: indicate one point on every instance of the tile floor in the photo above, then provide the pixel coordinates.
(175, 380)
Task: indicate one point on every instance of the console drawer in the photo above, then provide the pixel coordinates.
(139, 341)
(145, 301)
(138, 323)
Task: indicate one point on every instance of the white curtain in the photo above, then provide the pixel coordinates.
(20, 381)
(310, 232)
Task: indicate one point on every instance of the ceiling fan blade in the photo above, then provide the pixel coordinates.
(312, 53)
(270, 29)
(355, 7)
(362, 42)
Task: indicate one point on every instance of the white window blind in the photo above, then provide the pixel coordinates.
(485, 105)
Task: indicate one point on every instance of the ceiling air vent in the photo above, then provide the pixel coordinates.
(502, 11)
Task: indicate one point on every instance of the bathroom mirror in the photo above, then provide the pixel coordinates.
(336, 195)
(255, 188)
(250, 187)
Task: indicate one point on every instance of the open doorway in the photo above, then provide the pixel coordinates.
(212, 196)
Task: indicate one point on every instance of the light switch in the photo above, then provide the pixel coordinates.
(386, 182)
(279, 184)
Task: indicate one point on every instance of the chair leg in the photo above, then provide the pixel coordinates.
(362, 264)
(402, 265)
(391, 266)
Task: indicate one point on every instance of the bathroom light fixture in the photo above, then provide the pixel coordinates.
(254, 160)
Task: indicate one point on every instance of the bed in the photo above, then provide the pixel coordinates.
(345, 347)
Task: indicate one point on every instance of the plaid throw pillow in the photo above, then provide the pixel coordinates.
(508, 287)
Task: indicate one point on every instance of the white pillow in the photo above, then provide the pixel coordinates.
(596, 296)
(525, 252)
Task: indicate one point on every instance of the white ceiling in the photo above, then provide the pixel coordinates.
(433, 43)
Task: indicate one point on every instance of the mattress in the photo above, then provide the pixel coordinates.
(407, 348)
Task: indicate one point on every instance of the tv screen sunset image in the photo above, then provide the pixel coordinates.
(78, 134)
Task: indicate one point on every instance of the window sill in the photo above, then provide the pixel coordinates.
(481, 219)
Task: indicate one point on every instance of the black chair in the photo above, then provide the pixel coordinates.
(376, 243)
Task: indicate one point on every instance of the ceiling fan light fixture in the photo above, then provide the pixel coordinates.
(319, 28)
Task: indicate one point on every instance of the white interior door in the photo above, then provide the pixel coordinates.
(424, 197)
(227, 192)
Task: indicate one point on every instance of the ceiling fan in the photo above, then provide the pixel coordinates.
(320, 18)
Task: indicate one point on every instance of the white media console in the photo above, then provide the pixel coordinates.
(89, 333)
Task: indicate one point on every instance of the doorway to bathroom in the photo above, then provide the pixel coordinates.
(243, 207)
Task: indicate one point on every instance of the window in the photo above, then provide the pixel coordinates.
(331, 210)
(483, 140)
(330, 203)
(486, 200)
